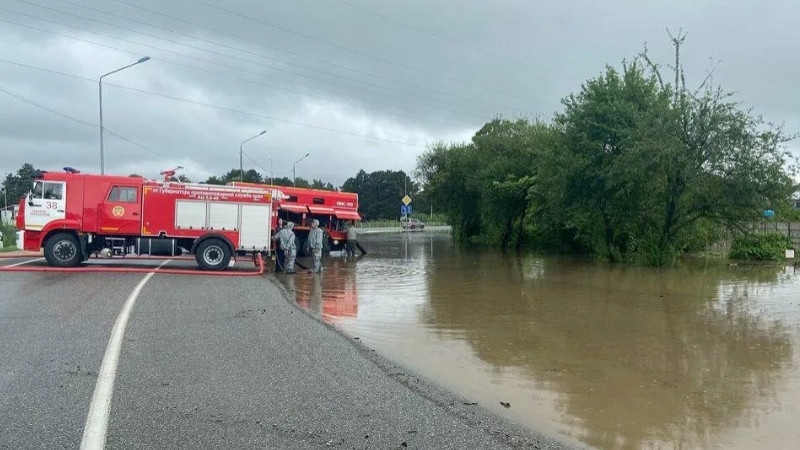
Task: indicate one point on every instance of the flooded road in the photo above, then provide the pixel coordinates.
(701, 356)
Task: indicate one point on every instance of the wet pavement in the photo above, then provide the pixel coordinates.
(701, 356)
(213, 362)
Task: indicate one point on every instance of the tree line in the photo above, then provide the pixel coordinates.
(635, 168)
(380, 192)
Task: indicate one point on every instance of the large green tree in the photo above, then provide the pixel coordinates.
(648, 168)
(16, 185)
(483, 186)
(597, 182)
(633, 168)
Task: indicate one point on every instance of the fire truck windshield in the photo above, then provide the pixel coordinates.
(37, 190)
(47, 190)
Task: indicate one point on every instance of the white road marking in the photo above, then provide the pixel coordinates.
(94, 432)
(21, 263)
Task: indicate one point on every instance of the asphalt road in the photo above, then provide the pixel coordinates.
(206, 362)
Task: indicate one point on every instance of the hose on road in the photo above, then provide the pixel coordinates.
(259, 261)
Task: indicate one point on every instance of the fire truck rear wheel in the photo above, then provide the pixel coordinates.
(213, 254)
(63, 250)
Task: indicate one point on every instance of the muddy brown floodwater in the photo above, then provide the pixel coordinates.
(700, 356)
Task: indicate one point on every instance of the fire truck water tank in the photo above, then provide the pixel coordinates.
(157, 247)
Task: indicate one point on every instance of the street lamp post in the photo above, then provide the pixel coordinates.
(271, 173)
(241, 153)
(294, 175)
(5, 197)
(100, 90)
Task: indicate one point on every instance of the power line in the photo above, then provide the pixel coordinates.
(452, 41)
(227, 55)
(75, 119)
(260, 55)
(214, 72)
(254, 162)
(289, 52)
(358, 52)
(222, 108)
(188, 66)
(212, 62)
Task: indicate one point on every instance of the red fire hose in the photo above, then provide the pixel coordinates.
(259, 262)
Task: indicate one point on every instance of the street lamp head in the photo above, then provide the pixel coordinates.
(143, 59)
(262, 132)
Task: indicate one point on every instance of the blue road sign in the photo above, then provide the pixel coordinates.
(405, 209)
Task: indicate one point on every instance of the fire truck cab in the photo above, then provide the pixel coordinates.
(71, 216)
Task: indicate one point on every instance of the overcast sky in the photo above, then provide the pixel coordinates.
(357, 84)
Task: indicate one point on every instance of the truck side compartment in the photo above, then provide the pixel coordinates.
(72, 215)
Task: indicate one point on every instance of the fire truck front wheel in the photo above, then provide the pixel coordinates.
(63, 250)
(213, 254)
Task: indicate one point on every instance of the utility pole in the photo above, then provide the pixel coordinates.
(5, 196)
(678, 41)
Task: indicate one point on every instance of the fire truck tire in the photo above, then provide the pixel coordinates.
(213, 254)
(63, 250)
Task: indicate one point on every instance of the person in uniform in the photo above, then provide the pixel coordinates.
(352, 239)
(290, 246)
(315, 244)
(280, 256)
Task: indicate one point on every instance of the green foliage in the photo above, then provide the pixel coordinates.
(319, 184)
(16, 186)
(633, 169)
(380, 192)
(249, 176)
(9, 233)
(282, 181)
(483, 186)
(760, 247)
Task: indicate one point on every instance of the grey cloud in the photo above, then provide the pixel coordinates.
(535, 54)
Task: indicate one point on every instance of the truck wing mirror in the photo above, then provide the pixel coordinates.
(30, 201)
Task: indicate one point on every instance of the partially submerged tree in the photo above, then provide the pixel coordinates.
(634, 168)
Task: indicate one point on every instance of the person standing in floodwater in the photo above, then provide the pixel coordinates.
(352, 239)
(291, 247)
(280, 256)
(315, 244)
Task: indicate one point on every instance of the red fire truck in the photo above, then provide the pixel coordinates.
(333, 209)
(73, 215)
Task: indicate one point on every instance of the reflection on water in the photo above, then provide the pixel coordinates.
(614, 357)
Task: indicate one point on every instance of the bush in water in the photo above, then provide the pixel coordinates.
(760, 247)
